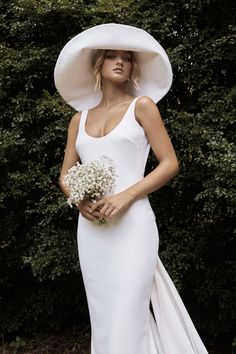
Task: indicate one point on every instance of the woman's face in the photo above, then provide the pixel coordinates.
(117, 66)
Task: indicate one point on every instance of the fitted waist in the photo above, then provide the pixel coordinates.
(125, 183)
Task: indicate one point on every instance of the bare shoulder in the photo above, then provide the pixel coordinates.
(146, 109)
(76, 118)
(74, 122)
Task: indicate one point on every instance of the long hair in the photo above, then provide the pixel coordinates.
(97, 62)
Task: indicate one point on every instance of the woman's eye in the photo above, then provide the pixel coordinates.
(113, 56)
(127, 59)
(110, 56)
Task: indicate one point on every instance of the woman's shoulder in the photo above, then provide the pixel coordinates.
(145, 102)
(145, 106)
(75, 120)
(76, 117)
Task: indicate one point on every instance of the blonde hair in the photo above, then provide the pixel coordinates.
(97, 62)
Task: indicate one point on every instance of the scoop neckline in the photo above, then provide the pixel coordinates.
(115, 128)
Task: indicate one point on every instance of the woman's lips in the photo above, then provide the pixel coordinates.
(118, 70)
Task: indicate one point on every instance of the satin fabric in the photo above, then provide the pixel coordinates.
(119, 260)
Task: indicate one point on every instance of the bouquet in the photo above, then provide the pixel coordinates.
(90, 180)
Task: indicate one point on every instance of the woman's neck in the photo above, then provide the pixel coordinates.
(113, 94)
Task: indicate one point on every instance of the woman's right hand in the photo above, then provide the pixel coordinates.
(85, 207)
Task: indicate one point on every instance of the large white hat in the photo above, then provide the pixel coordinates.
(74, 78)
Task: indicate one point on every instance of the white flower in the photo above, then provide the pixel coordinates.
(90, 180)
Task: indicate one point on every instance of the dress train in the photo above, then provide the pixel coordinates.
(173, 331)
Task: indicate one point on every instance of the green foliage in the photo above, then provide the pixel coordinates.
(40, 276)
(17, 344)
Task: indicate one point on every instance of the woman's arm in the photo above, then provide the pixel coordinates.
(148, 116)
(70, 158)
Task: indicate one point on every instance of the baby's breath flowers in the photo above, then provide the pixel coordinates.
(90, 180)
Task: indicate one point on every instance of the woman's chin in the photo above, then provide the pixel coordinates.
(116, 80)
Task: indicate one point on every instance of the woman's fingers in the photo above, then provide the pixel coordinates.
(113, 213)
(85, 207)
(103, 208)
(89, 216)
(97, 205)
(108, 210)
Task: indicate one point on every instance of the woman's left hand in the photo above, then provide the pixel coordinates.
(112, 205)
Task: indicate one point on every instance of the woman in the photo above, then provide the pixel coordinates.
(119, 260)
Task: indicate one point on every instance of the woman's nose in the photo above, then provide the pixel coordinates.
(119, 59)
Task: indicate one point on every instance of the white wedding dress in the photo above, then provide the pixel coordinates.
(119, 260)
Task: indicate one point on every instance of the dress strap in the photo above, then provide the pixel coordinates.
(132, 110)
(82, 121)
(135, 99)
(134, 102)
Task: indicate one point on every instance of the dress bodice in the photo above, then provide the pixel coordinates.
(127, 145)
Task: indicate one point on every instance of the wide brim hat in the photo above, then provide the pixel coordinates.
(74, 77)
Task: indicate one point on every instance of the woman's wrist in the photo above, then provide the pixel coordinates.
(132, 194)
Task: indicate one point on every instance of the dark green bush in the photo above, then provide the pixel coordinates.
(40, 279)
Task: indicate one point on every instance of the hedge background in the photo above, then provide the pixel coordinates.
(40, 279)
